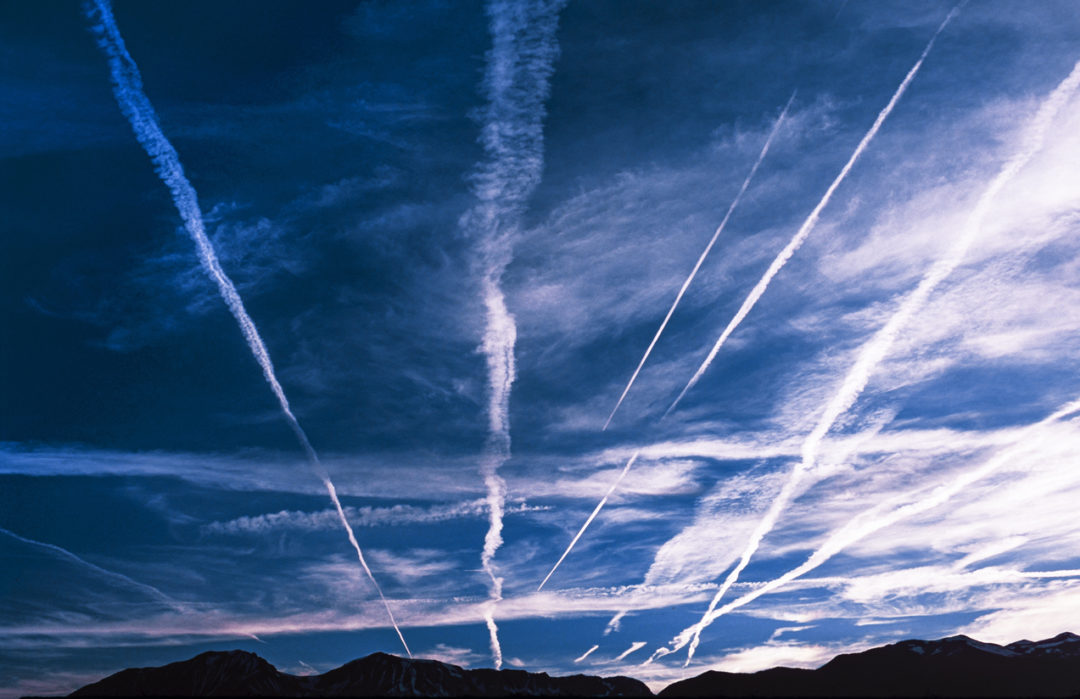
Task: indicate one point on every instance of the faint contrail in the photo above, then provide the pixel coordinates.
(596, 511)
(872, 521)
(127, 86)
(148, 589)
(879, 345)
(585, 654)
(678, 297)
(704, 254)
(516, 82)
(812, 219)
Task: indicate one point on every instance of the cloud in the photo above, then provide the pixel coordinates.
(771, 655)
(368, 516)
(465, 657)
(164, 292)
(414, 565)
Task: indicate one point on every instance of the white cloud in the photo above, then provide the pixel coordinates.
(774, 655)
(368, 516)
(454, 655)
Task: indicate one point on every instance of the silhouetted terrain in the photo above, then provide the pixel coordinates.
(952, 667)
(237, 673)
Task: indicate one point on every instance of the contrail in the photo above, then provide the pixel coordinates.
(872, 521)
(596, 511)
(635, 646)
(812, 219)
(516, 81)
(704, 254)
(779, 262)
(678, 297)
(879, 345)
(615, 621)
(128, 89)
(112, 575)
(585, 654)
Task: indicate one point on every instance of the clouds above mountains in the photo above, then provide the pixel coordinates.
(332, 151)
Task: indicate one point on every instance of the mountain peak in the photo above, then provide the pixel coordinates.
(1066, 636)
(1064, 644)
(953, 666)
(239, 673)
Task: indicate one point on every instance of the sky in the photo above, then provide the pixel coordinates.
(456, 228)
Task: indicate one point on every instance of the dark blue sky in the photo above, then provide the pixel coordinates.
(154, 503)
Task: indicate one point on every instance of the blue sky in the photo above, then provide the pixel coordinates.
(155, 503)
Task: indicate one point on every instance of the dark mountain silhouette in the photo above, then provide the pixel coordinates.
(952, 667)
(235, 673)
(241, 674)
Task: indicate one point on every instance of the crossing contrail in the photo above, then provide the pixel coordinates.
(704, 254)
(516, 82)
(872, 521)
(879, 345)
(596, 511)
(812, 219)
(112, 575)
(128, 89)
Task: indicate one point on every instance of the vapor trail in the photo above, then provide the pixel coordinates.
(774, 268)
(704, 254)
(812, 219)
(635, 646)
(516, 82)
(678, 297)
(128, 89)
(875, 350)
(112, 575)
(585, 654)
(596, 511)
(872, 521)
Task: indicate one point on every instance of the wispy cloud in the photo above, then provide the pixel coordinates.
(369, 516)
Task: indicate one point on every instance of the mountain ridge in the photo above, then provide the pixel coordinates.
(956, 666)
(243, 674)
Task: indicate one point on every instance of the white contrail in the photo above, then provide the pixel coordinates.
(812, 219)
(112, 575)
(635, 646)
(678, 297)
(585, 654)
(596, 511)
(704, 254)
(879, 345)
(775, 267)
(516, 80)
(872, 521)
(127, 86)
